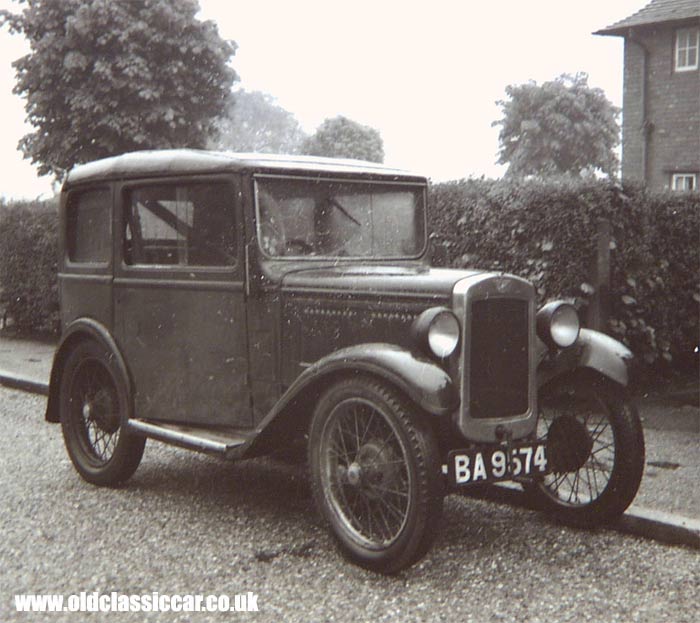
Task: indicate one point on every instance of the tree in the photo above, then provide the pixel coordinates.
(255, 122)
(108, 76)
(341, 137)
(563, 126)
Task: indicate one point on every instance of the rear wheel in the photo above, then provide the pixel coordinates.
(375, 473)
(595, 447)
(93, 413)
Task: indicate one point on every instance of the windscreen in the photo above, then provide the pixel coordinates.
(300, 217)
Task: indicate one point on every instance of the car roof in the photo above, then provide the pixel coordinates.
(188, 161)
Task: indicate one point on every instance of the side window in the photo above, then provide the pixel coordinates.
(88, 238)
(684, 181)
(687, 49)
(180, 224)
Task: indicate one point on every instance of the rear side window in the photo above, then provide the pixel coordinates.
(88, 237)
(183, 224)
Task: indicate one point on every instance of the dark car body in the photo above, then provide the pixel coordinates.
(237, 304)
(221, 345)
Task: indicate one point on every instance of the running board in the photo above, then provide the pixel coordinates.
(212, 441)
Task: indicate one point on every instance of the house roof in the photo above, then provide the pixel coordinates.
(181, 161)
(656, 12)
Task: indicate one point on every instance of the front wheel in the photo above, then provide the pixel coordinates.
(375, 473)
(93, 413)
(595, 447)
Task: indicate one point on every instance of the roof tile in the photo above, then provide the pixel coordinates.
(655, 12)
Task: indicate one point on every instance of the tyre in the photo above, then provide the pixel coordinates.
(94, 407)
(375, 474)
(595, 449)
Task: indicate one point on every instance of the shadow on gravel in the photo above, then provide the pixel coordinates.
(276, 500)
(264, 484)
(278, 495)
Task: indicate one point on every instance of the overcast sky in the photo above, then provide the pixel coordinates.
(425, 74)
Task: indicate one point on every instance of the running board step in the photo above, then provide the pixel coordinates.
(213, 441)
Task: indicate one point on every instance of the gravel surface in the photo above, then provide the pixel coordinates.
(672, 472)
(187, 523)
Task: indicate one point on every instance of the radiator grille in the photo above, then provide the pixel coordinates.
(499, 359)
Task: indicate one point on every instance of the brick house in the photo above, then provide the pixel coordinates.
(661, 94)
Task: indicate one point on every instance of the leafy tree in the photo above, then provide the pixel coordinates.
(255, 122)
(108, 76)
(563, 126)
(341, 137)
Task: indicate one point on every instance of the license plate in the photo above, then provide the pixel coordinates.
(495, 463)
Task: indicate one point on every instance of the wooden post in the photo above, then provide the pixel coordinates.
(599, 307)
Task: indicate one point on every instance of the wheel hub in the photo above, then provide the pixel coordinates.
(377, 468)
(373, 466)
(354, 474)
(569, 444)
(87, 411)
(99, 411)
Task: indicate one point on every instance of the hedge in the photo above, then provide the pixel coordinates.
(28, 264)
(541, 230)
(545, 231)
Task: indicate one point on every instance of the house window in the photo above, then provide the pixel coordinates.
(687, 47)
(684, 181)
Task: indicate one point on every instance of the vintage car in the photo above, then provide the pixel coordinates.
(243, 304)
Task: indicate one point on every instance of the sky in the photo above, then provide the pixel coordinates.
(427, 75)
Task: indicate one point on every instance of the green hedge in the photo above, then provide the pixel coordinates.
(545, 231)
(28, 264)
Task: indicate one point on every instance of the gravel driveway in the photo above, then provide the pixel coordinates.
(187, 523)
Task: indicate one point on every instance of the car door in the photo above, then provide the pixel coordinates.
(85, 269)
(180, 314)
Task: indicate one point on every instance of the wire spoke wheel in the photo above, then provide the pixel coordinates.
(375, 474)
(591, 431)
(366, 471)
(93, 412)
(595, 448)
